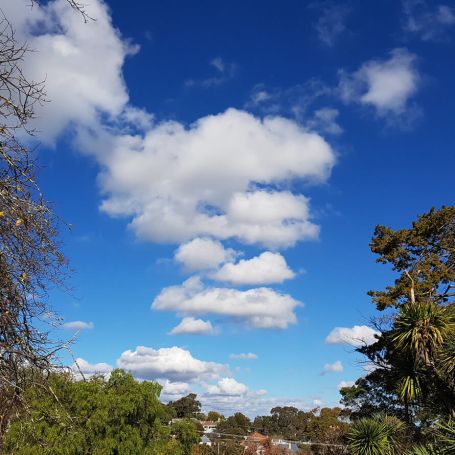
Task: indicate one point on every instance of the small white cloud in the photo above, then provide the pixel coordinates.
(325, 121)
(83, 369)
(332, 23)
(244, 356)
(343, 384)
(192, 326)
(429, 21)
(225, 70)
(258, 307)
(219, 64)
(317, 402)
(358, 335)
(173, 390)
(203, 254)
(386, 85)
(336, 367)
(267, 268)
(227, 387)
(78, 325)
(175, 364)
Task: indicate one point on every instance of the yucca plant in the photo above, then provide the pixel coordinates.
(445, 436)
(380, 436)
(425, 450)
(420, 328)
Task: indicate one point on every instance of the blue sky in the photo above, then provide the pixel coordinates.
(227, 162)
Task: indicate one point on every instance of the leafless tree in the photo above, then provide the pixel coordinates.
(30, 258)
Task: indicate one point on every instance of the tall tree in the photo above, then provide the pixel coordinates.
(415, 354)
(186, 407)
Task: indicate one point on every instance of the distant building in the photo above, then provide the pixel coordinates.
(205, 441)
(283, 444)
(209, 427)
(258, 441)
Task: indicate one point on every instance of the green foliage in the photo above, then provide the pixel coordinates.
(326, 425)
(185, 407)
(186, 433)
(213, 416)
(377, 436)
(373, 394)
(415, 355)
(98, 417)
(426, 252)
(238, 424)
(445, 436)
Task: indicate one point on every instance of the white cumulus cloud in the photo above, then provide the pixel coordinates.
(175, 364)
(244, 356)
(83, 369)
(227, 386)
(81, 63)
(257, 307)
(336, 367)
(173, 390)
(175, 182)
(357, 335)
(203, 254)
(192, 326)
(386, 85)
(78, 325)
(267, 268)
(202, 181)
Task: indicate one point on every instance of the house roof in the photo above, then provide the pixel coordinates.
(256, 437)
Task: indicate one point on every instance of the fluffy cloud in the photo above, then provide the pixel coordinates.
(259, 307)
(357, 335)
(430, 22)
(244, 356)
(83, 369)
(266, 268)
(80, 62)
(201, 180)
(336, 367)
(227, 387)
(252, 403)
(202, 254)
(78, 325)
(192, 326)
(175, 364)
(386, 85)
(173, 390)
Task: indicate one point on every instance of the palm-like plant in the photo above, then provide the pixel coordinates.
(381, 436)
(446, 436)
(421, 341)
(420, 329)
(424, 450)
